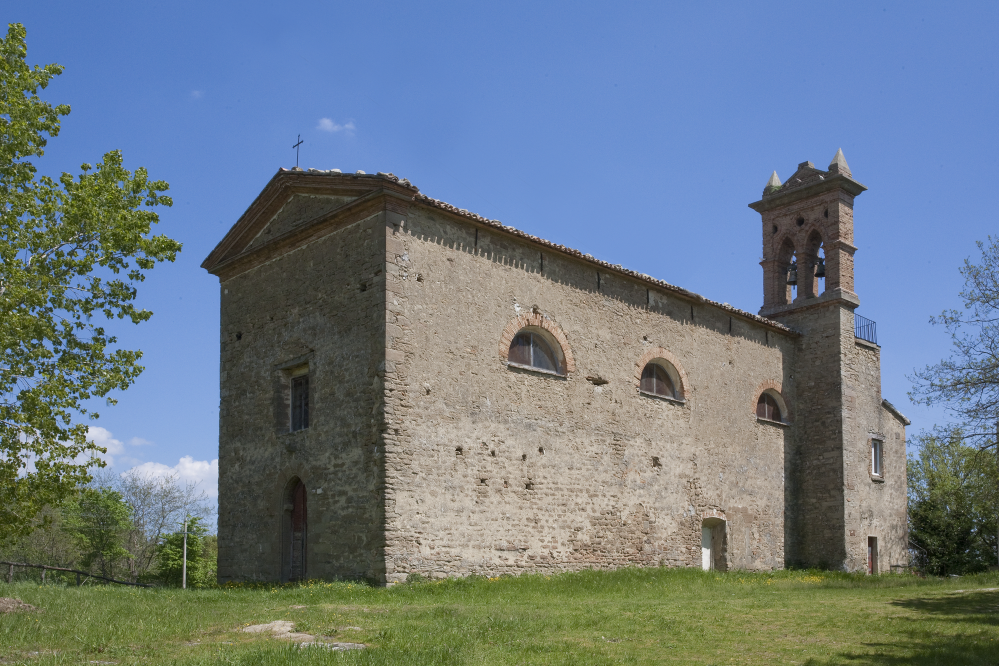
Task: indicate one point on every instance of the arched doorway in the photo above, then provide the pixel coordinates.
(295, 531)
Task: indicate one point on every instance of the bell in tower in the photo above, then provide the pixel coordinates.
(811, 211)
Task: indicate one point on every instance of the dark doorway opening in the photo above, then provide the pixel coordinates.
(297, 535)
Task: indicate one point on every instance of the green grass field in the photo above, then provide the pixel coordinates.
(647, 616)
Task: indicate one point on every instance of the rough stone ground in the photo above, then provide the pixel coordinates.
(286, 629)
(9, 605)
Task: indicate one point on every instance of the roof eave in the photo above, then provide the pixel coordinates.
(899, 415)
(436, 204)
(216, 256)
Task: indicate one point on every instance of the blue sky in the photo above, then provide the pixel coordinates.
(635, 132)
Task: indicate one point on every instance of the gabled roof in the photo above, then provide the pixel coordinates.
(351, 189)
(361, 193)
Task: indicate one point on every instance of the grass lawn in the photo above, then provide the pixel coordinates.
(640, 616)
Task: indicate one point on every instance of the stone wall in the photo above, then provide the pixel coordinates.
(815, 502)
(321, 305)
(427, 453)
(874, 506)
(492, 469)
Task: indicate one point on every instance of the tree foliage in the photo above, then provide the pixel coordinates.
(116, 524)
(99, 520)
(952, 488)
(157, 504)
(202, 552)
(49, 543)
(967, 382)
(72, 251)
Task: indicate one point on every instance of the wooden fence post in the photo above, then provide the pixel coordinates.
(43, 575)
(10, 575)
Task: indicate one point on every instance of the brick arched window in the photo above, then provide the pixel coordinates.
(536, 349)
(770, 404)
(660, 375)
(535, 342)
(656, 381)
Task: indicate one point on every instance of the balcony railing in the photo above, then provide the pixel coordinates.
(865, 329)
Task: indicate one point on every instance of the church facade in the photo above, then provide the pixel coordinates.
(408, 387)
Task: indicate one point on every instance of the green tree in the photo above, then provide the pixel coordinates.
(967, 383)
(99, 520)
(951, 494)
(208, 561)
(72, 251)
(201, 553)
(156, 503)
(49, 543)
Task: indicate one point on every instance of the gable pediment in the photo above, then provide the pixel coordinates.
(805, 175)
(296, 204)
(297, 211)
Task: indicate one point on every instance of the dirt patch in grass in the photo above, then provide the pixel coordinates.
(9, 605)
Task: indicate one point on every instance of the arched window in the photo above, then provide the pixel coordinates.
(767, 408)
(656, 381)
(532, 349)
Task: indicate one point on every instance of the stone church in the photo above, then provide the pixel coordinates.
(408, 387)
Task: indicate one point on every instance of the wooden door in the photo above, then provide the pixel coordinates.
(299, 531)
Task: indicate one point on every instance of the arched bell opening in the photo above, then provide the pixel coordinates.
(294, 532)
(714, 543)
(786, 277)
(811, 268)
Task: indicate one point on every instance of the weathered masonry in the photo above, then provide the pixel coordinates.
(407, 387)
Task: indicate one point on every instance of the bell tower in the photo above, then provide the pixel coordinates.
(808, 254)
(808, 238)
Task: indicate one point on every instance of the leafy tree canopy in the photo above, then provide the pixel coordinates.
(952, 488)
(98, 521)
(201, 571)
(72, 251)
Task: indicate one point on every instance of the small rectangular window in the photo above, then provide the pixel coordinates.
(877, 451)
(300, 402)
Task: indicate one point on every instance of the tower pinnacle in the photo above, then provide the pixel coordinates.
(839, 163)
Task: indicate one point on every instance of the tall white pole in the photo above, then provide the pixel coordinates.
(183, 579)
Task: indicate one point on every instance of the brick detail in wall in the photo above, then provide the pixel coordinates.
(536, 320)
(657, 353)
(776, 387)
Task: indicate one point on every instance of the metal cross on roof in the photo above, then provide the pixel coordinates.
(296, 148)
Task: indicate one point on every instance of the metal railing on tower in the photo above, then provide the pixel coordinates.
(865, 329)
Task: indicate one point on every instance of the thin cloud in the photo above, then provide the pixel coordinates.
(329, 125)
(205, 473)
(104, 438)
(116, 450)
